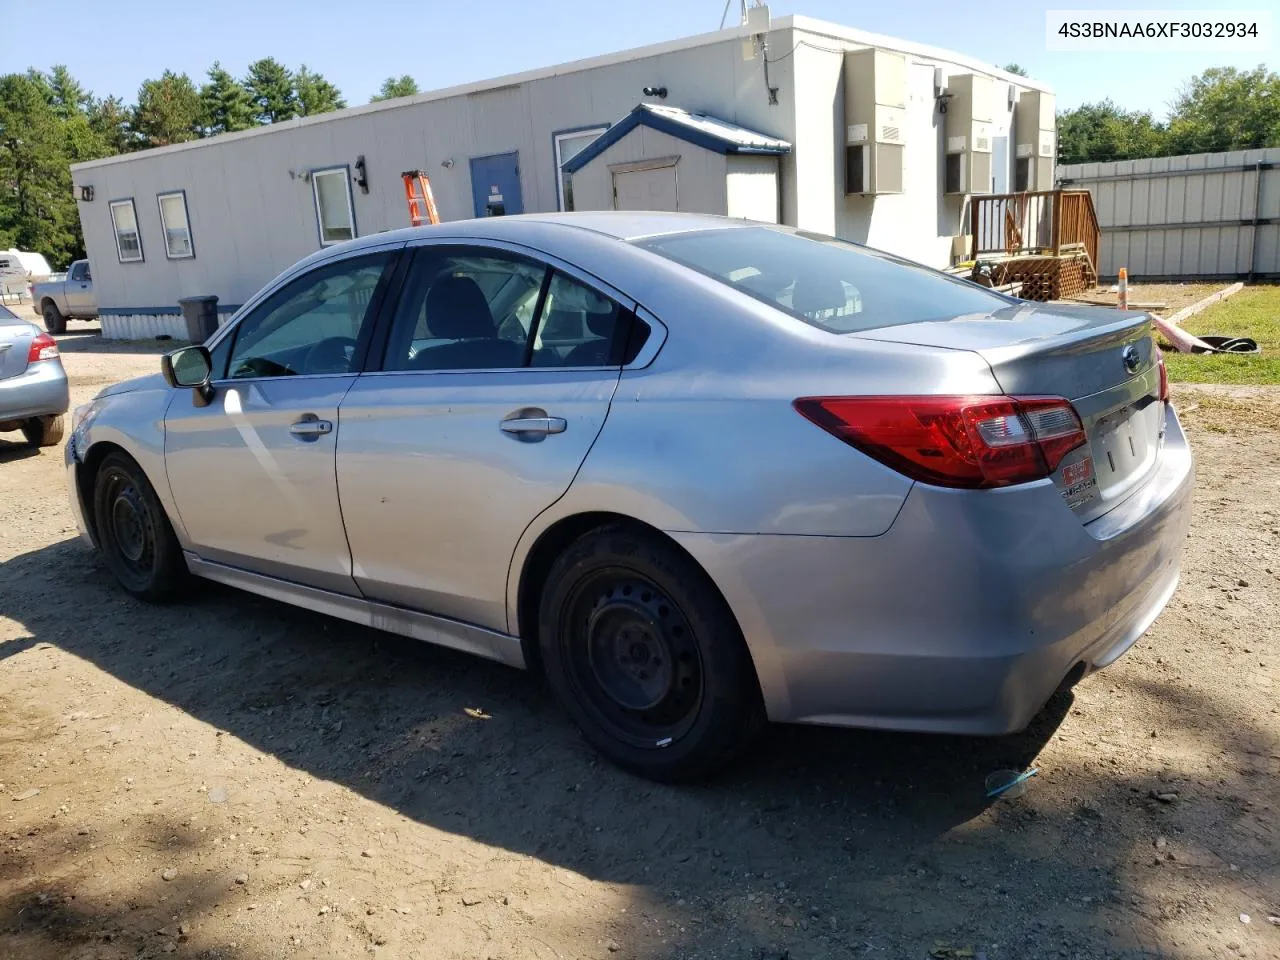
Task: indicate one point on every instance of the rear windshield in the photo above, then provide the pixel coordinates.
(831, 284)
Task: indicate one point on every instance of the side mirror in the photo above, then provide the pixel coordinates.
(190, 368)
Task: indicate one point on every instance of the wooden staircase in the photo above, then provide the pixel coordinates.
(1046, 241)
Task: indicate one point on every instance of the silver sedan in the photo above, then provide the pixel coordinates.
(701, 473)
(33, 385)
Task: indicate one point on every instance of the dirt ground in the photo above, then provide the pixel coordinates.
(234, 778)
(1173, 296)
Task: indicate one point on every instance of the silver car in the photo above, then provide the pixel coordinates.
(33, 385)
(699, 472)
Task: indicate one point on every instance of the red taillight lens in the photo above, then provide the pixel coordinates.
(972, 442)
(43, 347)
(1164, 375)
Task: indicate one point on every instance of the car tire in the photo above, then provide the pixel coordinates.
(134, 534)
(45, 431)
(54, 321)
(645, 655)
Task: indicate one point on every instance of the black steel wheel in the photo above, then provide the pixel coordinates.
(133, 531)
(54, 321)
(646, 656)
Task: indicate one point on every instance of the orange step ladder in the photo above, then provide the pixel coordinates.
(417, 194)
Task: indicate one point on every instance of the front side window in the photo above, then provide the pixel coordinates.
(311, 326)
(335, 215)
(568, 146)
(124, 221)
(177, 229)
(79, 271)
(833, 285)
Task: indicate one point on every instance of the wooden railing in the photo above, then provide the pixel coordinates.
(1049, 222)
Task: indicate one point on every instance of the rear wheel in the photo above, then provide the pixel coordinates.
(54, 321)
(45, 431)
(646, 657)
(134, 533)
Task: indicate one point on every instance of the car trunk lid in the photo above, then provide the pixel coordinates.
(15, 344)
(1104, 361)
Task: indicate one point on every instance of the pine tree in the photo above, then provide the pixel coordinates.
(69, 98)
(315, 93)
(224, 102)
(392, 87)
(168, 110)
(111, 120)
(270, 85)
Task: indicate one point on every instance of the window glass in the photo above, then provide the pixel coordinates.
(312, 325)
(333, 205)
(177, 232)
(576, 327)
(568, 146)
(836, 286)
(465, 310)
(124, 222)
(79, 271)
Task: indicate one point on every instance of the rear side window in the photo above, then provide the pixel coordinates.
(833, 285)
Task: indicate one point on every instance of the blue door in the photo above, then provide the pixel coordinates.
(495, 185)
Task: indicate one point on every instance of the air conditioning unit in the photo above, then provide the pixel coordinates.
(1034, 137)
(970, 127)
(875, 107)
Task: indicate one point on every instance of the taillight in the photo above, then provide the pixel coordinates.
(1164, 375)
(972, 442)
(43, 347)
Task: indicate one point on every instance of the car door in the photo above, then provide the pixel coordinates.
(79, 290)
(473, 425)
(252, 472)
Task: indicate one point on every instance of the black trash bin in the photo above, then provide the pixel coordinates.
(201, 314)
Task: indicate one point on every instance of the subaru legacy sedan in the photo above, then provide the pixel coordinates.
(701, 473)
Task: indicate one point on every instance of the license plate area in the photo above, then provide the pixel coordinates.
(1123, 445)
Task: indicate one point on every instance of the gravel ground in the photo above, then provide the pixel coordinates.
(231, 777)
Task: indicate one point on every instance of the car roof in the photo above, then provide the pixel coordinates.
(616, 224)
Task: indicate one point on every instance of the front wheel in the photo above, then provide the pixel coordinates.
(135, 536)
(646, 657)
(54, 321)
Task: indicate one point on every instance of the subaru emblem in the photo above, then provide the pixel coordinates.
(1131, 358)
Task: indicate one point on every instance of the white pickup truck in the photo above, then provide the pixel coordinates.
(72, 298)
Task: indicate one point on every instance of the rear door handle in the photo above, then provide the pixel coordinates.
(310, 427)
(533, 427)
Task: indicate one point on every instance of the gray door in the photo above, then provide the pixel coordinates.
(476, 425)
(79, 290)
(646, 188)
(252, 473)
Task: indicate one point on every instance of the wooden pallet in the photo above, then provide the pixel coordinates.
(1046, 277)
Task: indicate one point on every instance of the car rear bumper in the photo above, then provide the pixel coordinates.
(41, 390)
(967, 614)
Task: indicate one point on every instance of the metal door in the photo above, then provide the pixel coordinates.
(495, 185)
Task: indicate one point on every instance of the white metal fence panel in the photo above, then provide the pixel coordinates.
(1204, 216)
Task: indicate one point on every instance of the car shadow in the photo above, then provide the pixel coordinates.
(13, 450)
(829, 828)
(90, 340)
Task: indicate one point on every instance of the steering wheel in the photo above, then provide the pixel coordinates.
(332, 355)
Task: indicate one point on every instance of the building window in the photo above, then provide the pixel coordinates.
(177, 229)
(334, 213)
(124, 220)
(568, 145)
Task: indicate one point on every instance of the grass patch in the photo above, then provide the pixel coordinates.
(1253, 312)
(1234, 415)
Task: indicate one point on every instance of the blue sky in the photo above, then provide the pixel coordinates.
(112, 48)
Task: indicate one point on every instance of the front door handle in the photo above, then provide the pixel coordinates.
(309, 427)
(533, 428)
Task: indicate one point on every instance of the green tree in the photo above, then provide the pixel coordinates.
(270, 85)
(69, 98)
(224, 103)
(168, 110)
(1102, 131)
(111, 119)
(393, 87)
(1014, 69)
(37, 211)
(315, 94)
(1227, 109)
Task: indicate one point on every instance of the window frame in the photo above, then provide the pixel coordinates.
(556, 136)
(378, 304)
(137, 229)
(315, 174)
(376, 365)
(164, 226)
